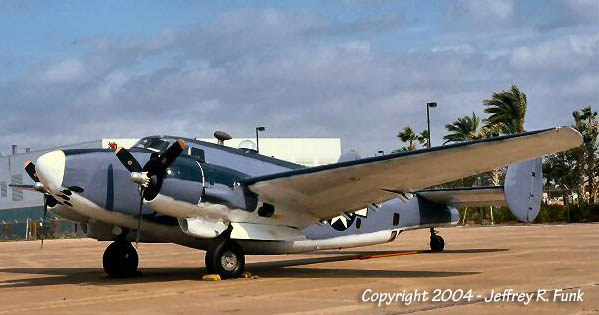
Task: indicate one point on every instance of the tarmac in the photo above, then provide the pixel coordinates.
(66, 277)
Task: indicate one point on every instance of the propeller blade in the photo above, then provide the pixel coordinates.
(30, 169)
(44, 218)
(24, 187)
(76, 189)
(170, 155)
(50, 201)
(128, 160)
(141, 205)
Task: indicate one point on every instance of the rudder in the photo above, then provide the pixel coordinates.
(524, 189)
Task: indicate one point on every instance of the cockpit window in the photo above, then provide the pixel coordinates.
(153, 144)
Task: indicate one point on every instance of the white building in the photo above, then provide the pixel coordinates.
(17, 204)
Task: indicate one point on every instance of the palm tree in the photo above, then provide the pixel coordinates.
(408, 135)
(468, 128)
(423, 138)
(463, 129)
(507, 110)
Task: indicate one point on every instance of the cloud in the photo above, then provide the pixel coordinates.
(567, 53)
(65, 71)
(483, 12)
(298, 72)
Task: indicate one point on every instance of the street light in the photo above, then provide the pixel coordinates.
(428, 119)
(257, 143)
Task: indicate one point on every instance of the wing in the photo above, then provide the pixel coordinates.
(326, 191)
(467, 197)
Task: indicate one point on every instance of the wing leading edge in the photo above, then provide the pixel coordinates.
(328, 190)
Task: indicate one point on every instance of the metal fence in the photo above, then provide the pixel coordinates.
(34, 229)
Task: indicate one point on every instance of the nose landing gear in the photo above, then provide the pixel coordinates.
(120, 259)
(437, 242)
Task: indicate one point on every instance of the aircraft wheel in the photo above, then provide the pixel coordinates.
(226, 259)
(437, 243)
(120, 259)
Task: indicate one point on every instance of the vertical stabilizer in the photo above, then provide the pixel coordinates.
(524, 189)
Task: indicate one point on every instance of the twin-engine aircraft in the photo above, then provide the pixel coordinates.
(232, 202)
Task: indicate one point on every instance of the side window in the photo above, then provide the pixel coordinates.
(395, 219)
(3, 190)
(198, 153)
(358, 223)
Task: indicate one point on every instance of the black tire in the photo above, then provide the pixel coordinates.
(120, 260)
(437, 243)
(226, 259)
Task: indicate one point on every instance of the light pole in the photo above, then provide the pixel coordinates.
(428, 119)
(257, 143)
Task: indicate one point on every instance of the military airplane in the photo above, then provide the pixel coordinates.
(232, 202)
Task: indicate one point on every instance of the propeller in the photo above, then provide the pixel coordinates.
(150, 176)
(49, 200)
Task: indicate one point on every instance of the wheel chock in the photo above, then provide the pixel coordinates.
(211, 277)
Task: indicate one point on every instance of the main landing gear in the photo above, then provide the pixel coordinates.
(437, 242)
(225, 258)
(120, 259)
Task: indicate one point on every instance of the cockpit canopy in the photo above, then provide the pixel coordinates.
(155, 144)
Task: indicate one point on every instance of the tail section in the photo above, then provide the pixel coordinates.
(522, 192)
(524, 189)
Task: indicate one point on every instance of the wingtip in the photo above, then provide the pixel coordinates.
(574, 135)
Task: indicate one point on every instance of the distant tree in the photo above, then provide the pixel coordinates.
(558, 172)
(408, 136)
(585, 121)
(507, 110)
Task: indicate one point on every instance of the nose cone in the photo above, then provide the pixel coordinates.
(50, 169)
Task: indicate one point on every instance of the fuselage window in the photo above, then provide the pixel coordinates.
(358, 223)
(198, 153)
(395, 219)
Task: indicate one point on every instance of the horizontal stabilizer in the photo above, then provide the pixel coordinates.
(522, 193)
(466, 196)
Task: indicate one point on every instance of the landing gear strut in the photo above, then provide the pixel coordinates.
(225, 258)
(120, 259)
(437, 242)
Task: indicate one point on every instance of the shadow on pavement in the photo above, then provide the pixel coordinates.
(272, 269)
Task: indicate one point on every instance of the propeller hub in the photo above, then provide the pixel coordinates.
(140, 178)
(39, 187)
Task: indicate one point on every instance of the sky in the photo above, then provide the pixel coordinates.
(74, 71)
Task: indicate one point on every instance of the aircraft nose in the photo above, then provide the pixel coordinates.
(50, 169)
